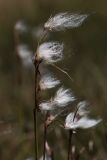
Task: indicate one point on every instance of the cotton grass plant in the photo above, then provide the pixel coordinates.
(50, 53)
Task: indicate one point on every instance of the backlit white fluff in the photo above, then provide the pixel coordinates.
(20, 26)
(63, 97)
(85, 122)
(50, 52)
(47, 105)
(48, 154)
(25, 55)
(83, 108)
(65, 20)
(47, 157)
(69, 121)
(47, 82)
(81, 122)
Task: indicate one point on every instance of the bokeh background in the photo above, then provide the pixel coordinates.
(85, 58)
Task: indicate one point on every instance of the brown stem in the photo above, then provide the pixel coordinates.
(52, 155)
(45, 135)
(70, 145)
(35, 110)
(35, 133)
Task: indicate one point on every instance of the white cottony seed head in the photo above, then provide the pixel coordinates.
(25, 55)
(69, 121)
(62, 99)
(48, 81)
(85, 122)
(65, 20)
(47, 105)
(83, 108)
(50, 52)
(79, 121)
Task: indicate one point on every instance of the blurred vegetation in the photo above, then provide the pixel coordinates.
(85, 58)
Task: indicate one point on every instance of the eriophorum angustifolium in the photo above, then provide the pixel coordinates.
(65, 20)
(25, 55)
(62, 98)
(48, 81)
(80, 119)
(50, 53)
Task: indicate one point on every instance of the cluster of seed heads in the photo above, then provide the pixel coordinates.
(50, 53)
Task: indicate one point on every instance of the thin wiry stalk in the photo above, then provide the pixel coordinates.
(18, 76)
(35, 110)
(52, 155)
(36, 103)
(70, 157)
(35, 133)
(43, 36)
(77, 108)
(62, 71)
(45, 135)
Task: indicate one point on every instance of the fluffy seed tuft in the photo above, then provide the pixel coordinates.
(50, 52)
(48, 81)
(62, 99)
(65, 20)
(25, 55)
(80, 119)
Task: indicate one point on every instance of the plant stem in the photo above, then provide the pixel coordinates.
(35, 110)
(45, 135)
(52, 155)
(70, 145)
(44, 148)
(35, 133)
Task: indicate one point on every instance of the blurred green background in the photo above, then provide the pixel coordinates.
(85, 58)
